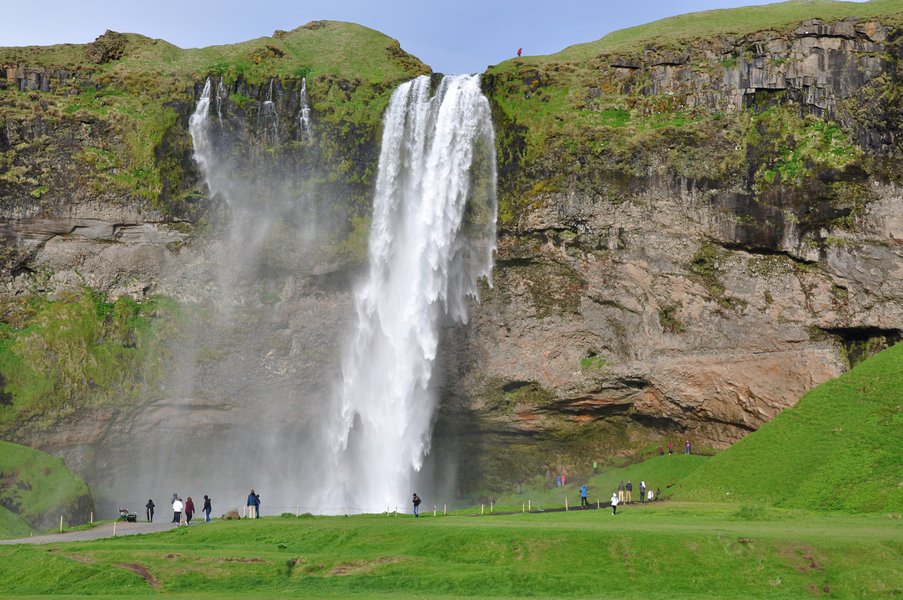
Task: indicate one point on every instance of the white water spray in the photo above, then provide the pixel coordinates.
(304, 111)
(432, 237)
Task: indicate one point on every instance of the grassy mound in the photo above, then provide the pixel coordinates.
(36, 489)
(671, 550)
(659, 472)
(837, 449)
(676, 31)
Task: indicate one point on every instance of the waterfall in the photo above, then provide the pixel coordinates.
(304, 125)
(432, 237)
(198, 127)
(268, 118)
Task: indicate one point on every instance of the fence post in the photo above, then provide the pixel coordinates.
(297, 510)
(445, 510)
(61, 523)
(565, 504)
(530, 505)
(482, 512)
(523, 506)
(92, 517)
(434, 510)
(492, 507)
(114, 528)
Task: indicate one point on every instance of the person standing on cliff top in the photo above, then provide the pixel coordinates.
(519, 52)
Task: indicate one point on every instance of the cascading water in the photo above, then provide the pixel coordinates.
(304, 126)
(432, 237)
(268, 118)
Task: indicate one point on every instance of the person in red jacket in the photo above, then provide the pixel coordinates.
(520, 51)
(189, 510)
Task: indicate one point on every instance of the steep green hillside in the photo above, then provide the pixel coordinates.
(838, 449)
(57, 357)
(677, 31)
(37, 488)
(129, 96)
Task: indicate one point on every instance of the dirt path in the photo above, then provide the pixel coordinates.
(99, 532)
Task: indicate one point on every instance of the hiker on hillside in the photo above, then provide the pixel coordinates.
(520, 51)
(177, 510)
(628, 494)
(614, 503)
(416, 501)
(621, 491)
(643, 491)
(208, 508)
(150, 510)
(583, 501)
(251, 507)
(189, 510)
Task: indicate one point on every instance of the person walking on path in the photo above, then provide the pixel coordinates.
(150, 510)
(583, 501)
(189, 510)
(614, 503)
(621, 491)
(177, 510)
(416, 501)
(257, 505)
(643, 491)
(208, 508)
(628, 494)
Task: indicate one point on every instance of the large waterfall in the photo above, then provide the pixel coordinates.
(432, 237)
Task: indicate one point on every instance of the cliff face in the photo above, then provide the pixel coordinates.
(690, 237)
(718, 232)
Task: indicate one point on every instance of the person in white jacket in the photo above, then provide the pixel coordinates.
(177, 510)
(614, 502)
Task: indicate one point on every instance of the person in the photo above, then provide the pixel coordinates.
(670, 448)
(520, 51)
(189, 510)
(150, 510)
(650, 495)
(176, 510)
(416, 501)
(257, 506)
(595, 467)
(658, 493)
(643, 491)
(687, 447)
(252, 505)
(558, 481)
(661, 450)
(564, 479)
(621, 491)
(583, 501)
(628, 494)
(614, 503)
(208, 508)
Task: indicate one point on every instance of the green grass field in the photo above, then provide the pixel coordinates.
(674, 550)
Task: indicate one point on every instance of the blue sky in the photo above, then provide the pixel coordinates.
(453, 36)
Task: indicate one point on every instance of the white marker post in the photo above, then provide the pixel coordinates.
(61, 523)
(565, 504)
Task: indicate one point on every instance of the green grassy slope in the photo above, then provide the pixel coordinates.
(659, 472)
(38, 488)
(12, 525)
(838, 448)
(676, 31)
(676, 551)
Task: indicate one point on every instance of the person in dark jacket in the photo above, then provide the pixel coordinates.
(257, 505)
(189, 510)
(252, 505)
(150, 510)
(208, 508)
(416, 501)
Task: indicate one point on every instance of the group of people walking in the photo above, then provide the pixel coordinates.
(182, 510)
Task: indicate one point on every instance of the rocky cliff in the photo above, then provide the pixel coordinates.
(692, 233)
(691, 238)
